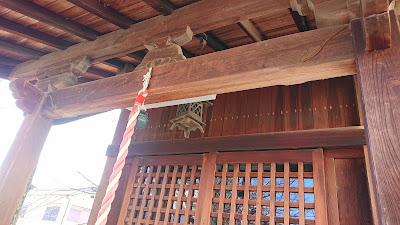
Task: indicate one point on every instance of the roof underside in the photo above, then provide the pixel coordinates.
(53, 37)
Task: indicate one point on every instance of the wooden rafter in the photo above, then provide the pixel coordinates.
(157, 29)
(251, 30)
(28, 52)
(44, 15)
(105, 12)
(292, 59)
(300, 21)
(5, 61)
(164, 7)
(35, 35)
(20, 50)
(212, 41)
(27, 32)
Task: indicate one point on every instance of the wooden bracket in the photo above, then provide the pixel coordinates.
(29, 92)
(172, 52)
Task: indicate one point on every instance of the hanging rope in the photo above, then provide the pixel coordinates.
(123, 152)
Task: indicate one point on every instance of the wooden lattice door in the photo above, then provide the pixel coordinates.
(164, 190)
(249, 188)
(277, 187)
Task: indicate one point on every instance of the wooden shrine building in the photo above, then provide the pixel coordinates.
(304, 128)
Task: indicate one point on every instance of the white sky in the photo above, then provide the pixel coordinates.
(78, 146)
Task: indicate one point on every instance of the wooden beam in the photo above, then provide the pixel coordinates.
(5, 61)
(212, 41)
(378, 75)
(21, 159)
(376, 23)
(105, 12)
(251, 30)
(44, 15)
(32, 34)
(316, 138)
(20, 50)
(5, 71)
(24, 51)
(137, 55)
(300, 21)
(292, 59)
(157, 30)
(164, 7)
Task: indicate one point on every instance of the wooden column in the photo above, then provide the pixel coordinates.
(21, 160)
(108, 168)
(378, 74)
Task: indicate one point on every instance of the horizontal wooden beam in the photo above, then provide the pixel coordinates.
(44, 15)
(316, 138)
(105, 12)
(292, 59)
(157, 30)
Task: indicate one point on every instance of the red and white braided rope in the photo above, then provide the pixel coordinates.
(123, 152)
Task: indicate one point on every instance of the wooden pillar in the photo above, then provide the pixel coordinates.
(20, 161)
(108, 168)
(378, 74)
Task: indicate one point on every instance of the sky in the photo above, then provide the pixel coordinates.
(70, 150)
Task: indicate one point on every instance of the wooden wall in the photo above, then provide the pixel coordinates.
(313, 105)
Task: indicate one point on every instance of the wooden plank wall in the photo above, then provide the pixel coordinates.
(319, 104)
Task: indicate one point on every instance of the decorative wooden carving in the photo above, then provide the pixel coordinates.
(172, 52)
(29, 92)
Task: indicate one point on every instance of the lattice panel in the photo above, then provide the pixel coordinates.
(164, 194)
(263, 193)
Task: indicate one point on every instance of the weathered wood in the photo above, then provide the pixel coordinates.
(5, 71)
(292, 59)
(44, 15)
(20, 50)
(321, 216)
(300, 21)
(27, 32)
(378, 75)
(5, 61)
(212, 41)
(206, 189)
(352, 190)
(251, 30)
(377, 23)
(201, 16)
(105, 12)
(20, 162)
(346, 136)
(164, 7)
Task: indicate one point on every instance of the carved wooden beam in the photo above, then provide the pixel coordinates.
(292, 59)
(29, 92)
